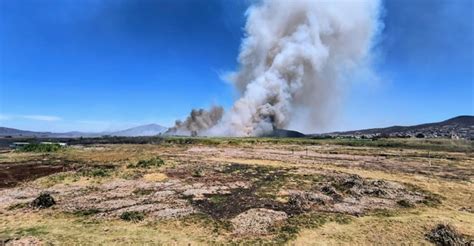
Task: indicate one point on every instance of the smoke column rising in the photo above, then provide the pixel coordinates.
(294, 61)
(197, 121)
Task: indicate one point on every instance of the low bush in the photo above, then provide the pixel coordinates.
(153, 162)
(444, 234)
(133, 216)
(143, 192)
(40, 148)
(405, 203)
(198, 173)
(44, 200)
(97, 172)
(87, 212)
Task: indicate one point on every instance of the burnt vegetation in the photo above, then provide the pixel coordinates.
(244, 191)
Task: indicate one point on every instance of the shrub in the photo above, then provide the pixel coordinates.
(420, 135)
(87, 212)
(444, 234)
(96, 172)
(153, 162)
(142, 192)
(40, 148)
(198, 173)
(44, 200)
(405, 203)
(17, 206)
(133, 216)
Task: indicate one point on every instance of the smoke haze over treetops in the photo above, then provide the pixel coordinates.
(294, 62)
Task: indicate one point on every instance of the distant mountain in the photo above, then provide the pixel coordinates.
(5, 131)
(457, 127)
(145, 130)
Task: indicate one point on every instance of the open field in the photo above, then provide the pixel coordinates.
(228, 190)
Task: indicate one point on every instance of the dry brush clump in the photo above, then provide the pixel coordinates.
(133, 216)
(447, 235)
(44, 200)
(149, 163)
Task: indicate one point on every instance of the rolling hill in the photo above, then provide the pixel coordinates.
(457, 127)
(144, 130)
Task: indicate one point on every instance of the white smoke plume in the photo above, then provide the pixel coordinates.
(294, 61)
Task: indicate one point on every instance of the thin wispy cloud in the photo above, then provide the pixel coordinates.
(36, 117)
(106, 125)
(4, 117)
(41, 117)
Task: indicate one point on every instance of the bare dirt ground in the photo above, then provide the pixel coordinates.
(238, 191)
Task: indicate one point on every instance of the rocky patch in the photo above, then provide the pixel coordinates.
(256, 221)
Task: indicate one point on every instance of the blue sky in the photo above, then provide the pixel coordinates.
(96, 65)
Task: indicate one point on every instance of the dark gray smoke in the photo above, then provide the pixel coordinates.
(198, 121)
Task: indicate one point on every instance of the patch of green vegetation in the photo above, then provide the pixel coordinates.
(58, 178)
(383, 213)
(133, 216)
(17, 206)
(267, 180)
(426, 144)
(143, 192)
(405, 203)
(132, 174)
(342, 219)
(291, 228)
(271, 181)
(308, 220)
(87, 212)
(430, 200)
(285, 234)
(40, 148)
(153, 162)
(218, 227)
(218, 199)
(34, 231)
(198, 173)
(97, 172)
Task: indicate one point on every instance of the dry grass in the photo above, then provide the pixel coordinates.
(62, 229)
(155, 177)
(411, 163)
(408, 228)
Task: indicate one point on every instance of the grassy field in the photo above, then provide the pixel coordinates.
(240, 190)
